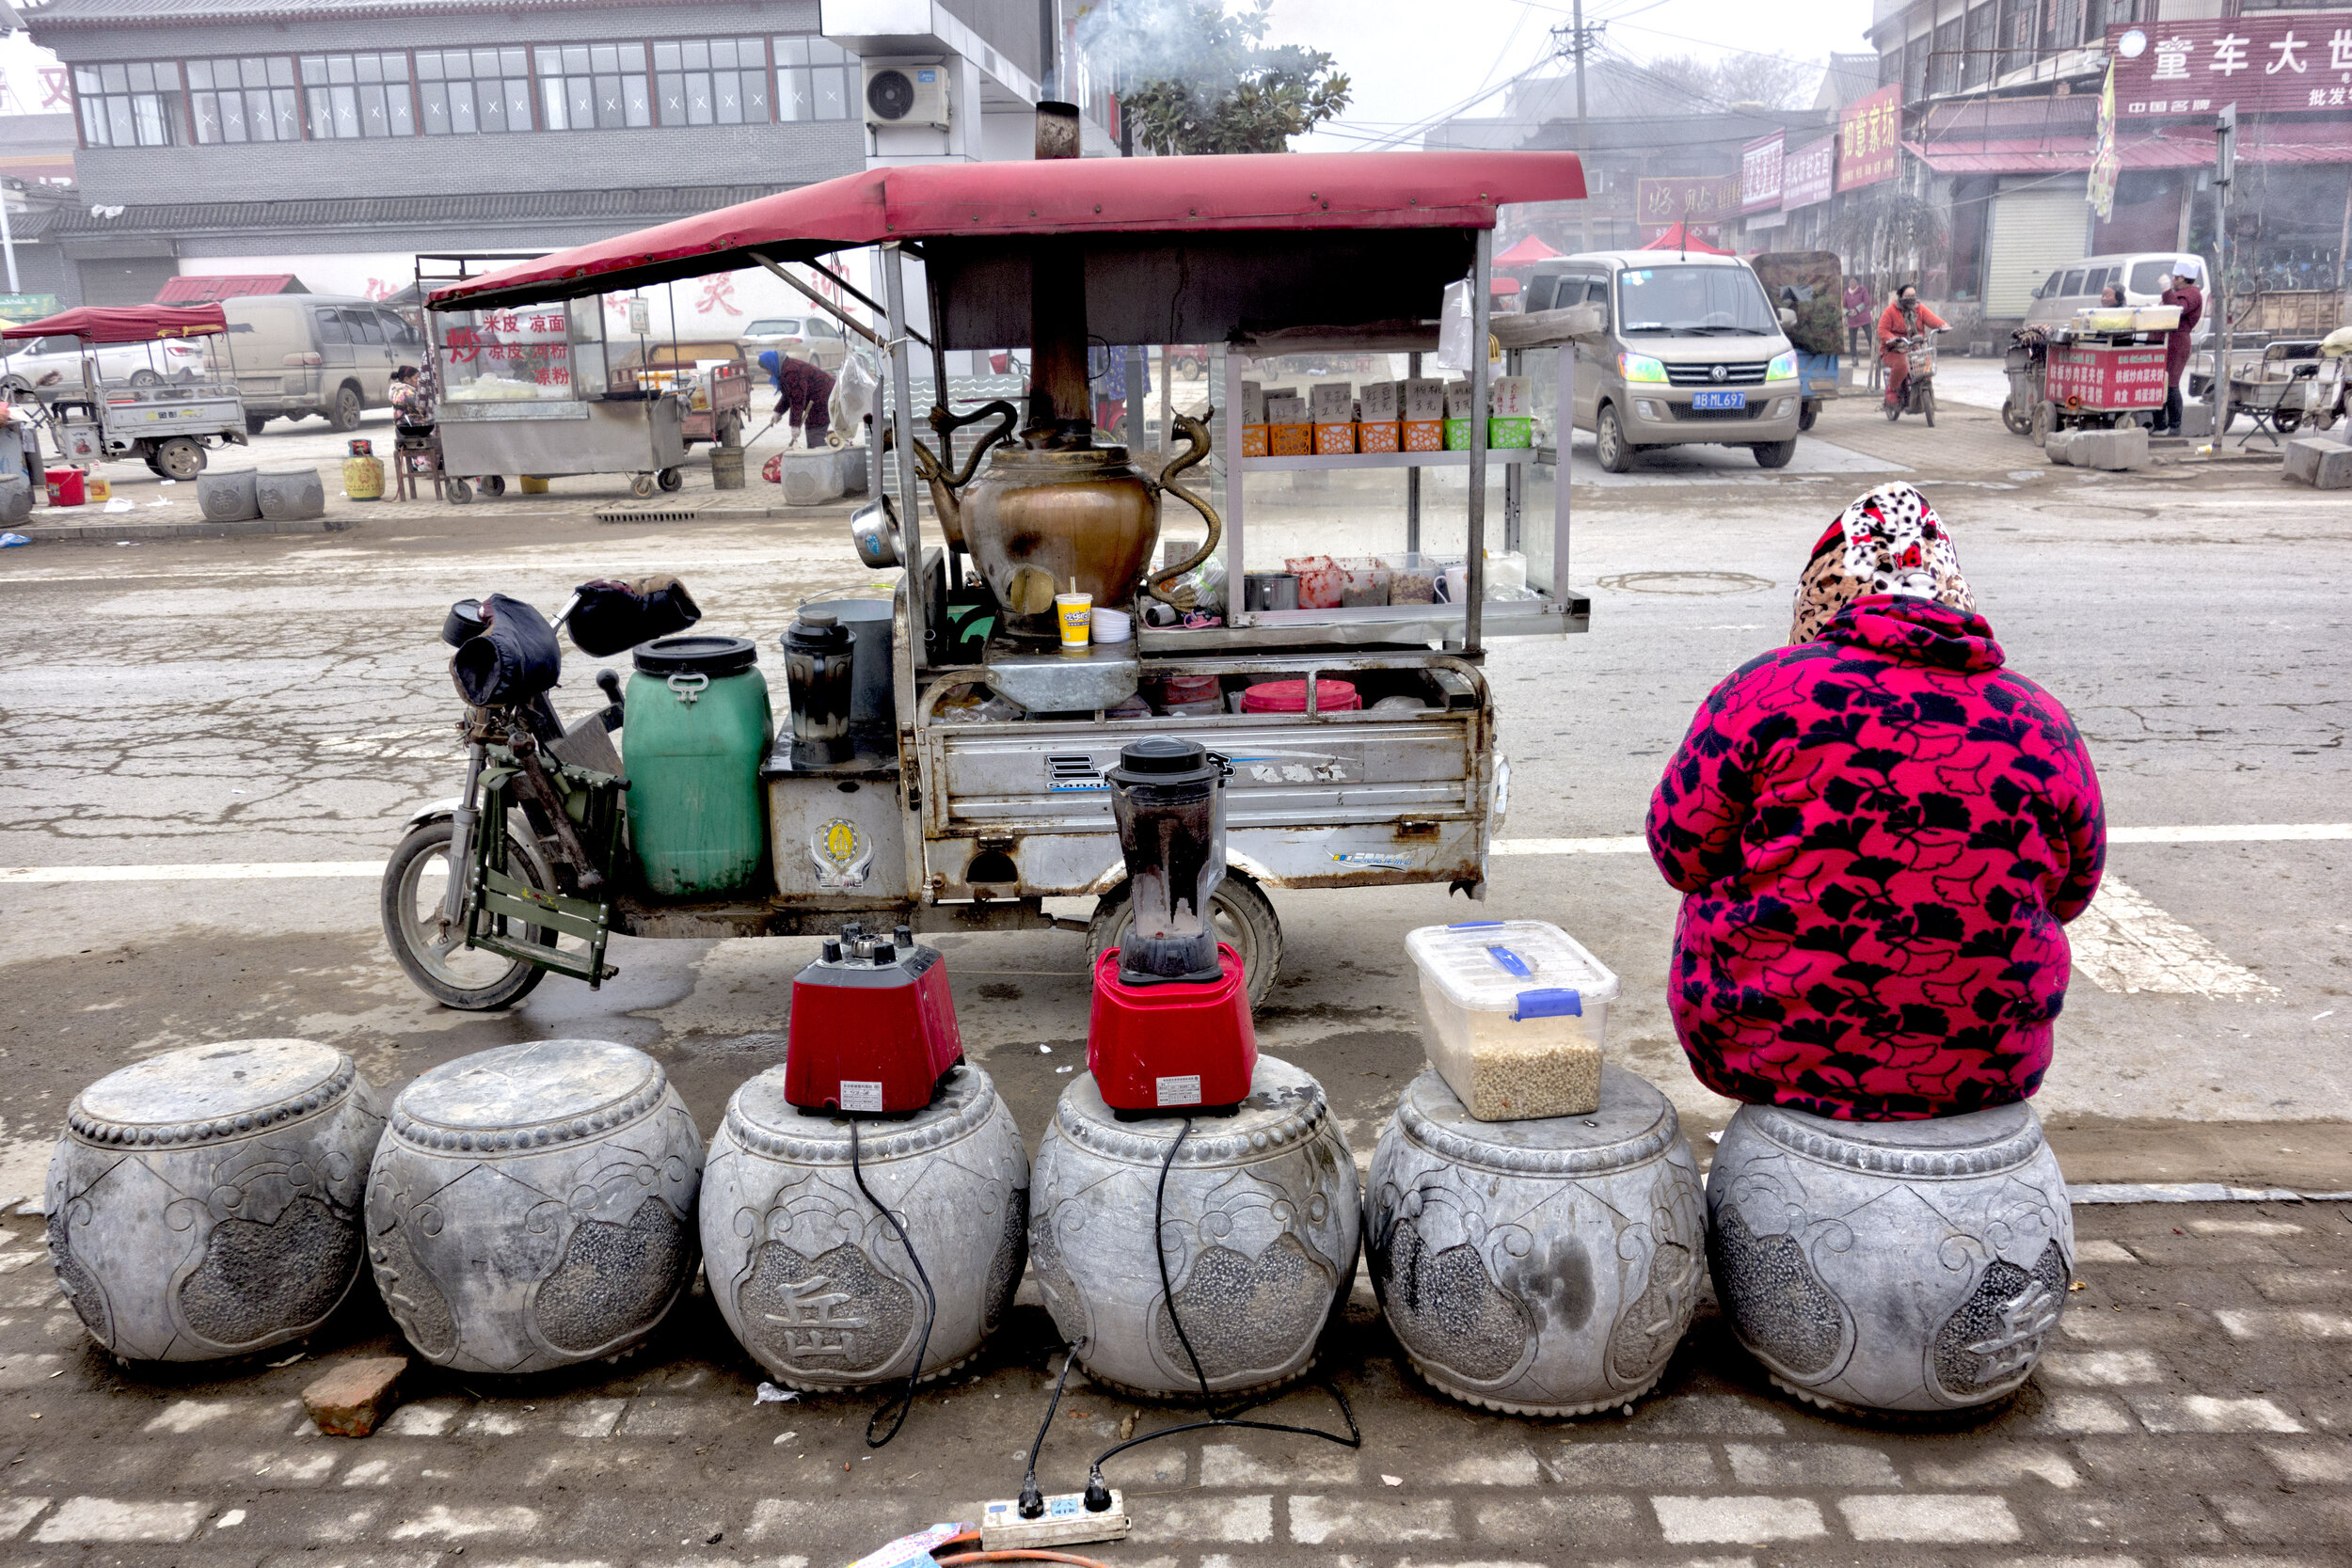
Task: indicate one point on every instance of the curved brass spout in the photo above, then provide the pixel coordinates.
(1196, 434)
(945, 491)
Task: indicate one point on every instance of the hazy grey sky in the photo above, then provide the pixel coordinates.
(1414, 59)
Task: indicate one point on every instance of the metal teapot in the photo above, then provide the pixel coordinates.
(1058, 513)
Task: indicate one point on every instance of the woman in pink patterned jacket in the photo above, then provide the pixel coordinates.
(1879, 830)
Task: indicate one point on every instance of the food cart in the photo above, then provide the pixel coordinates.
(167, 424)
(979, 794)
(545, 392)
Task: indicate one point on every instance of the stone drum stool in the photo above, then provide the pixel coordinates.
(206, 1202)
(1261, 1226)
(1913, 1266)
(810, 1275)
(533, 1206)
(1542, 1268)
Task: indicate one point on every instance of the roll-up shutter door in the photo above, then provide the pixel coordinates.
(2037, 225)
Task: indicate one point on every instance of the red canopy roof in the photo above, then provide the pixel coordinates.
(125, 323)
(1077, 195)
(1680, 238)
(1526, 253)
(192, 287)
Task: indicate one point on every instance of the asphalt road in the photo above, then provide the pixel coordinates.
(285, 700)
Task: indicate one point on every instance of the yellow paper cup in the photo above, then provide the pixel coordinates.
(1074, 613)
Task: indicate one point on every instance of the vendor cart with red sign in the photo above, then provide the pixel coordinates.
(2094, 381)
(539, 389)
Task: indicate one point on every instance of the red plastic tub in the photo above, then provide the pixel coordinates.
(1291, 697)
(65, 486)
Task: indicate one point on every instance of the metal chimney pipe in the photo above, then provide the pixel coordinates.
(1058, 395)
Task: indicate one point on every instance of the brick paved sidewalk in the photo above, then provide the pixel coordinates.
(2194, 1411)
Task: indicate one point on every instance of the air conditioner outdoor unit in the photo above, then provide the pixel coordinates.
(906, 92)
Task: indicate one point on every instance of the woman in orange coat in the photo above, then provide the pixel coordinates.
(1905, 318)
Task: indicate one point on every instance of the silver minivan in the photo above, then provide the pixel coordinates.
(2140, 274)
(328, 355)
(1691, 352)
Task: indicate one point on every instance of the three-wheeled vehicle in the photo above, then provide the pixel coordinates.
(1809, 284)
(961, 786)
(166, 423)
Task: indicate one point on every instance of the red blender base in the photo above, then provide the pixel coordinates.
(1171, 1050)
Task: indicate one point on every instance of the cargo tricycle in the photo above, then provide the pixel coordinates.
(167, 424)
(942, 764)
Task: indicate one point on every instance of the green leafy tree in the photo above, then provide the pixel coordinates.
(1210, 82)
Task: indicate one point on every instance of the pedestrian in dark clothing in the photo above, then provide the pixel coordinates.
(1878, 831)
(2184, 293)
(1857, 304)
(804, 395)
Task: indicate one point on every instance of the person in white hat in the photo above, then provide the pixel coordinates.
(2180, 290)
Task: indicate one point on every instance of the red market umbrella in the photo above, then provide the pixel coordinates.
(1526, 253)
(125, 323)
(1680, 238)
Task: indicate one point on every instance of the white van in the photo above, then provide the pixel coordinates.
(2140, 274)
(328, 355)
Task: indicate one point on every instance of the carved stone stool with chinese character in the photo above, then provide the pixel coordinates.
(206, 1202)
(533, 1206)
(1542, 1268)
(1891, 1266)
(812, 1277)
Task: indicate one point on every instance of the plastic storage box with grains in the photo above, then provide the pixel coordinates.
(1517, 1013)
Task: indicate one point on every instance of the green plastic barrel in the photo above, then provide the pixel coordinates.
(696, 730)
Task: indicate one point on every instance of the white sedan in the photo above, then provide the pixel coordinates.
(51, 366)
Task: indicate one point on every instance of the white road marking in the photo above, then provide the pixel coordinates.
(1630, 844)
(2124, 944)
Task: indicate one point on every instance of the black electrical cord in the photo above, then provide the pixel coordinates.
(1032, 1501)
(905, 1402)
(1098, 1495)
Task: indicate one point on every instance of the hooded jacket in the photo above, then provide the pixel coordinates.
(1877, 833)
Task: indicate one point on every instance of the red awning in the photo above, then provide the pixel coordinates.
(2280, 143)
(1526, 253)
(125, 323)
(1680, 238)
(1299, 191)
(1502, 285)
(193, 288)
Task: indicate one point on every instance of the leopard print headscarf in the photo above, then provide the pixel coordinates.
(1889, 540)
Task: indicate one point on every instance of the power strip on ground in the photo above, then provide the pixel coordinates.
(1064, 1523)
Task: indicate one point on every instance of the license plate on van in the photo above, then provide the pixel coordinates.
(1719, 400)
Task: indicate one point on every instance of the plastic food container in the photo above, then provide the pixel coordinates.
(1291, 697)
(1516, 1012)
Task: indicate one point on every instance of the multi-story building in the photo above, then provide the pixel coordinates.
(336, 139)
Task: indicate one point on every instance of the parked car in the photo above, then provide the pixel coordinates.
(812, 336)
(2140, 274)
(298, 355)
(50, 366)
(1691, 352)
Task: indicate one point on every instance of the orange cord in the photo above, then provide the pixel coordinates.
(1018, 1555)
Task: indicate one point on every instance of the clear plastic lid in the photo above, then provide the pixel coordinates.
(1526, 968)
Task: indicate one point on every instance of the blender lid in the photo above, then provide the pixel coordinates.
(697, 653)
(816, 629)
(1164, 759)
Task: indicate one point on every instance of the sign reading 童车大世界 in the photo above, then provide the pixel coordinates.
(2283, 62)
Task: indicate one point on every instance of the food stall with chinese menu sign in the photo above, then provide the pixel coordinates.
(541, 391)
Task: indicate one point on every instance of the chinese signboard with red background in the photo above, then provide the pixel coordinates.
(2256, 62)
(2097, 376)
(1809, 174)
(1760, 173)
(1702, 201)
(1870, 137)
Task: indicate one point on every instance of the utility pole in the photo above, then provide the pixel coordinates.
(2224, 170)
(1580, 40)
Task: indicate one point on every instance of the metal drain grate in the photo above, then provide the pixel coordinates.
(658, 514)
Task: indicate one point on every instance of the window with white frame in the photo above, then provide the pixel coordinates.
(592, 86)
(247, 99)
(129, 103)
(464, 92)
(816, 79)
(712, 81)
(353, 96)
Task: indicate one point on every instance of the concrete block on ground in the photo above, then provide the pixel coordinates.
(2113, 449)
(352, 1397)
(16, 499)
(2320, 463)
(226, 497)
(290, 495)
(2059, 446)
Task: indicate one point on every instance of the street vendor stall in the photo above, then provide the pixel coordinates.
(167, 424)
(542, 391)
(2103, 369)
(964, 785)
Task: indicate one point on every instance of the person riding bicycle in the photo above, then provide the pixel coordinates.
(1904, 318)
